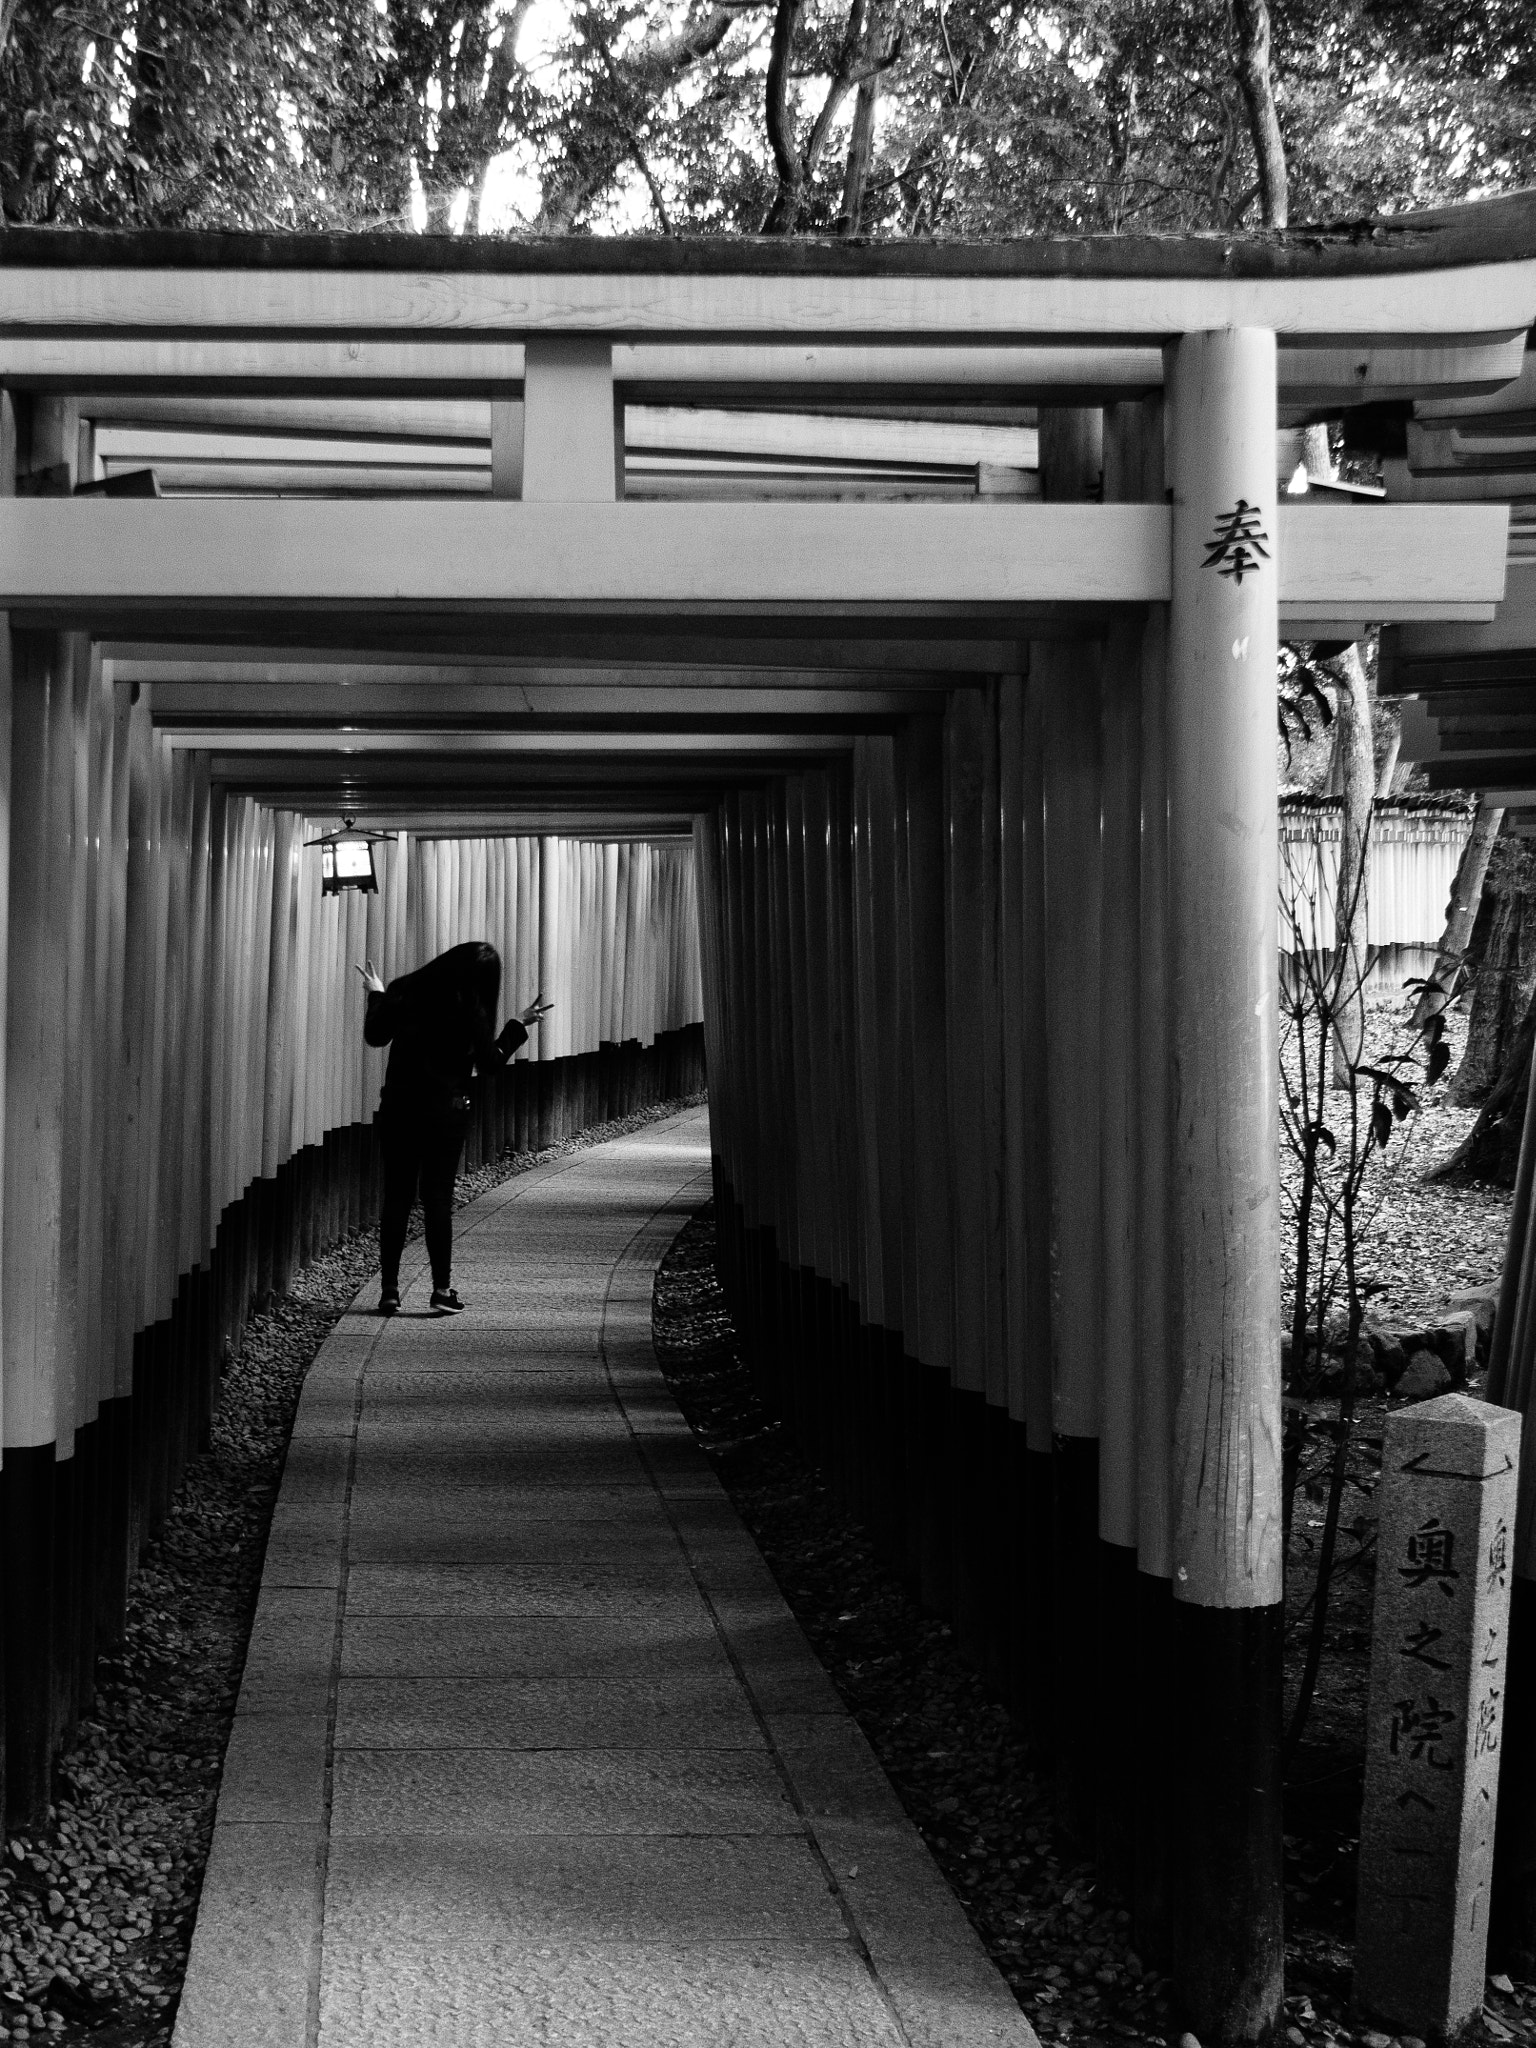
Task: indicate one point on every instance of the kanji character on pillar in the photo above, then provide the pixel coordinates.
(1431, 1557)
(1417, 1731)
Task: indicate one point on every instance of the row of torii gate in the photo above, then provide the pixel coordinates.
(644, 541)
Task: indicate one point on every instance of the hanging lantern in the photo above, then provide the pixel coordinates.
(346, 860)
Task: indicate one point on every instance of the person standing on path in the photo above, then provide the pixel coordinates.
(438, 1024)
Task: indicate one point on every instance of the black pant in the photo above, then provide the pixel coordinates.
(421, 1147)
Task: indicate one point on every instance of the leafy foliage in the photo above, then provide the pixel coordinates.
(194, 113)
(982, 117)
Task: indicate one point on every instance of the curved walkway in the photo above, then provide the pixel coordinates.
(529, 1749)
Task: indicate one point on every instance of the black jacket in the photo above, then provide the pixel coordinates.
(437, 1025)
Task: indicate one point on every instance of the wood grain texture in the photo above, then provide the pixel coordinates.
(568, 423)
(34, 1051)
(1120, 1101)
(1379, 562)
(1016, 292)
(1154, 1421)
(1223, 837)
(426, 387)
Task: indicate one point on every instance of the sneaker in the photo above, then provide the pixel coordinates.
(445, 1302)
(389, 1302)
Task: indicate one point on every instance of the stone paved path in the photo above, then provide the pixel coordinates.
(529, 1749)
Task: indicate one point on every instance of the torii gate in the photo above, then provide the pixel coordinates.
(991, 1018)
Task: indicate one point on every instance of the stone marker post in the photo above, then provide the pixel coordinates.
(1444, 1558)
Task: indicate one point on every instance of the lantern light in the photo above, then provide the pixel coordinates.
(346, 860)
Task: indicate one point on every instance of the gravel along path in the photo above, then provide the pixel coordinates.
(96, 1910)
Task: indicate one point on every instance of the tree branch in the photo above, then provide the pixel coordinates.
(652, 187)
(842, 82)
(861, 141)
(676, 53)
(1250, 64)
(957, 83)
(786, 158)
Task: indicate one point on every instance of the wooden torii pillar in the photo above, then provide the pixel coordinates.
(1222, 855)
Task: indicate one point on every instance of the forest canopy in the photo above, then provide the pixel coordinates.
(947, 118)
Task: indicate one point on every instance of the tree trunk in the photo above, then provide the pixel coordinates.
(1505, 979)
(860, 150)
(1460, 913)
(1491, 1149)
(789, 167)
(1250, 61)
(1390, 744)
(1356, 760)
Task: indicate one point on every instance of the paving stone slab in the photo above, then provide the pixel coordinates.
(781, 1670)
(500, 1454)
(292, 1652)
(327, 1407)
(533, 1387)
(559, 1792)
(953, 2004)
(614, 1507)
(894, 1891)
(406, 1532)
(701, 1523)
(432, 1891)
(274, 1768)
(315, 1470)
(349, 1345)
(445, 1466)
(304, 1546)
(835, 1773)
(682, 1480)
(726, 1560)
(534, 1646)
(697, 1709)
(527, 1346)
(740, 1568)
(661, 1593)
(545, 1401)
(255, 1946)
(715, 1995)
(646, 1405)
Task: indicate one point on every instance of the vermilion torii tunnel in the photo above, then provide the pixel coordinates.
(846, 672)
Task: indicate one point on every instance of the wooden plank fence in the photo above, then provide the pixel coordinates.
(1414, 854)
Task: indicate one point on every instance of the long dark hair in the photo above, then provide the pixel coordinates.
(466, 979)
